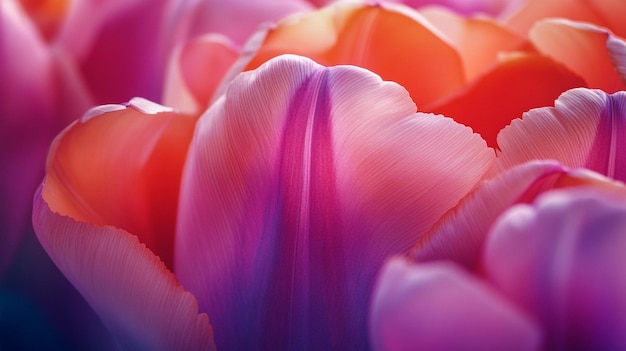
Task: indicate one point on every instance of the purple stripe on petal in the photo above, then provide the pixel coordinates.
(607, 152)
(309, 225)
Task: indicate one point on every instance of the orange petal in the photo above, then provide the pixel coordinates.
(478, 39)
(196, 70)
(583, 48)
(605, 13)
(517, 84)
(121, 166)
(393, 41)
(134, 294)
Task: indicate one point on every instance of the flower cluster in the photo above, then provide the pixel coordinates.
(327, 175)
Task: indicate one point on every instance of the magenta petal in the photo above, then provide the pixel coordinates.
(562, 259)
(585, 128)
(437, 306)
(300, 181)
(459, 236)
(27, 122)
(133, 292)
(119, 46)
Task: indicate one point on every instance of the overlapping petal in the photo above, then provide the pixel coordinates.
(393, 41)
(561, 259)
(604, 13)
(196, 70)
(438, 306)
(236, 19)
(300, 181)
(519, 82)
(107, 206)
(118, 45)
(460, 235)
(593, 52)
(479, 40)
(585, 128)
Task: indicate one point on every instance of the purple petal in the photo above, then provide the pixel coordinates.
(562, 260)
(585, 128)
(438, 306)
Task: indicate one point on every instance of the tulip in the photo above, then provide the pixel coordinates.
(552, 279)
(290, 199)
(451, 65)
(515, 257)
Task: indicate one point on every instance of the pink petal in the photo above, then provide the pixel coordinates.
(438, 306)
(300, 180)
(586, 128)
(129, 287)
(562, 259)
(121, 166)
(27, 122)
(195, 71)
(459, 235)
(236, 19)
(588, 50)
(119, 46)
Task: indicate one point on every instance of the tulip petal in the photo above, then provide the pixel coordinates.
(459, 235)
(585, 128)
(27, 122)
(121, 166)
(196, 70)
(236, 19)
(604, 13)
(118, 45)
(438, 306)
(517, 84)
(133, 292)
(584, 49)
(392, 41)
(300, 180)
(562, 260)
(479, 40)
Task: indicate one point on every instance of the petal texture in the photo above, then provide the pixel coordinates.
(300, 180)
(438, 306)
(460, 235)
(585, 128)
(129, 287)
(562, 260)
(121, 166)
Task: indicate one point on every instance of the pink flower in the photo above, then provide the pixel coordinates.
(298, 183)
(535, 266)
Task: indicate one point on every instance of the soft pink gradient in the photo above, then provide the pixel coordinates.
(300, 180)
